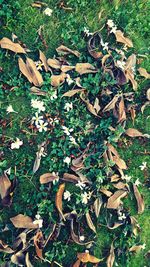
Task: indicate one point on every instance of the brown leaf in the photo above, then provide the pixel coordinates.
(70, 178)
(35, 74)
(36, 91)
(96, 105)
(115, 200)
(89, 222)
(111, 257)
(27, 260)
(5, 248)
(65, 50)
(131, 62)
(54, 63)
(136, 248)
(77, 263)
(4, 185)
(120, 163)
(73, 92)
(148, 94)
(113, 150)
(135, 133)
(58, 199)
(143, 72)
(76, 238)
(114, 226)
(86, 257)
(57, 80)
(39, 242)
(120, 185)
(48, 177)
(84, 68)
(139, 199)
(77, 163)
(44, 60)
(106, 192)
(23, 68)
(111, 104)
(97, 206)
(8, 44)
(66, 68)
(90, 107)
(121, 111)
(22, 221)
(135, 226)
(18, 258)
(122, 39)
(94, 45)
(130, 76)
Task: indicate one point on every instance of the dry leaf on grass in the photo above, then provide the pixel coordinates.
(143, 72)
(27, 260)
(136, 248)
(58, 200)
(65, 51)
(22, 221)
(39, 242)
(57, 80)
(54, 63)
(111, 257)
(73, 92)
(66, 68)
(89, 222)
(135, 133)
(115, 200)
(48, 177)
(8, 44)
(5, 248)
(44, 60)
(139, 199)
(130, 76)
(86, 257)
(23, 68)
(122, 39)
(76, 238)
(111, 104)
(70, 178)
(36, 91)
(18, 258)
(120, 163)
(5, 185)
(90, 107)
(135, 226)
(84, 68)
(97, 206)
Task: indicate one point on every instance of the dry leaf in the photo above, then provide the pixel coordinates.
(111, 257)
(5, 248)
(143, 72)
(48, 177)
(145, 105)
(36, 91)
(76, 238)
(131, 62)
(135, 133)
(115, 200)
(130, 76)
(70, 178)
(5, 185)
(22, 221)
(66, 68)
(58, 199)
(35, 74)
(86, 257)
(106, 192)
(23, 68)
(148, 94)
(44, 61)
(122, 39)
(111, 104)
(97, 206)
(18, 258)
(65, 50)
(115, 225)
(120, 163)
(8, 44)
(38, 242)
(27, 260)
(57, 80)
(84, 68)
(96, 105)
(136, 248)
(77, 263)
(135, 226)
(139, 199)
(54, 63)
(77, 163)
(90, 107)
(89, 222)
(73, 92)
(121, 111)
(94, 45)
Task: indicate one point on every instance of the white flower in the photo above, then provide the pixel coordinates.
(86, 31)
(85, 197)
(137, 182)
(67, 160)
(122, 216)
(8, 171)
(113, 30)
(67, 195)
(16, 144)
(69, 80)
(81, 185)
(48, 11)
(38, 104)
(54, 95)
(127, 178)
(72, 140)
(37, 119)
(121, 64)
(42, 126)
(82, 237)
(67, 131)
(38, 221)
(39, 65)
(143, 166)
(56, 180)
(41, 152)
(10, 109)
(68, 106)
(110, 23)
(143, 246)
(104, 45)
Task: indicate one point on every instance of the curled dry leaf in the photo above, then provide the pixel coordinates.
(22, 221)
(44, 60)
(48, 177)
(89, 222)
(114, 226)
(139, 199)
(58, 200)
(143, 72)
(39, 242)
(120, 163)
(130, 76)
(136, 248)
(23, 68)
(54, 63)
(115, 200)
(73, 92)
(122, 39)
(57, 80)
(8, 44)
(5, 248)
(97, 206)
(76, 238)
(89, 106)
(135, 133)
(111, 257)
(65, 51)
(111, 104)
(18, 258)
(27, 260)
(77, 163)
(84, 68)
(86, 257)
(94, 45)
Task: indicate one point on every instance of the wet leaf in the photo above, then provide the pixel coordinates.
(58, 199)
(48, 177)
(143, 72)
(139, 199)
(54, 63)
(86, 257)
(65, 51)
(27, 260)
(115, 200)
(89, 222)
(44, 60)
(22, 221)
(111, 257)
(73, 92)
(8, 44)
(122, 39)
(97, 206)
(57, 80)
(5, 248)
(84, 68)
(39, 242)
(135, 133)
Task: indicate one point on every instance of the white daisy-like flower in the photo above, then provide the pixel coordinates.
(53, 96)
(113, 30)
(37, 119)
(85, 197)
(56, 180)
(48, 11)
(68, 106)
(87, 32)
(81, 185)
(67, 160)
(16, 144)
(143, 166)
(66, 130)
(39, 65)
(127, 178)
(72, 140)
(137, 182)
(35, 103)
(121, 64)
(122, 216)
(110, 23)
(69, 80)
(38, 221)
(42, 126)
(67, 195)
(104, 45)
(10, 109)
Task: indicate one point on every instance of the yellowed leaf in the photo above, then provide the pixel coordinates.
(143, 72)
(122, 39)
(22, 221)
(8, 44)
(84, 68)
(65, 50)
(115, 200)
(58, 199)
(139, 199)
(86, 257)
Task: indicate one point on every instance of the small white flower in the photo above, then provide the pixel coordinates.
(16, 144)
(104, 45)
(137, 182)
(69, 80)
(41, 153)
(122, 216)
(67, 160)
(143, 246)
(8, 171)
(39, 65)
(72, 140)
(127, 178)
(86, 31)
(38, 221)
(37, 119)
(54, 95)
(85, 197)
(35, 103)
(110, 23)
(68, 106)
(81, 185)
(67, 195)
(113, 30)
(143, 166)
(48, 11)
(82, 237)
(121, 64)
(10, 109)
(56, 180)
(67, 131)
(42, 126)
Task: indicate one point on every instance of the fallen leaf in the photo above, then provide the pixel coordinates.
(131, 62)
(35, 74)
(4, 185)
(66, 68)
(22, 221)
(136, 248)
(48, 177)
(114, 226)
(23, 68)
(70, 178)
(73, 92)
(18, 258)
(58, 199)
(96, 105)
(122, 39)
(143, 72)
(135, 133)
(57, 80)
(86, 257)
(148, 94)
(130, 76)
(120, 163)
(147, 103)
(89, 222)
(44, 60)
(65, 50)
(111, 104)
(36, 91)
(5, 248)
(89, 106)
(54, 63)
(27, 260)
(78, 163)
(38, 157)
(84, 68)
(97, 206)
(139, 199)
(121, 111)
(135, 226)
(39, 242)
(76, 238)
(111, 257)
(106, 192)
(94, 45)
(77, 263)
(8, 44)
(115, 200)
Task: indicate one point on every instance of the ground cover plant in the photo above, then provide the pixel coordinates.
(71, 185)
